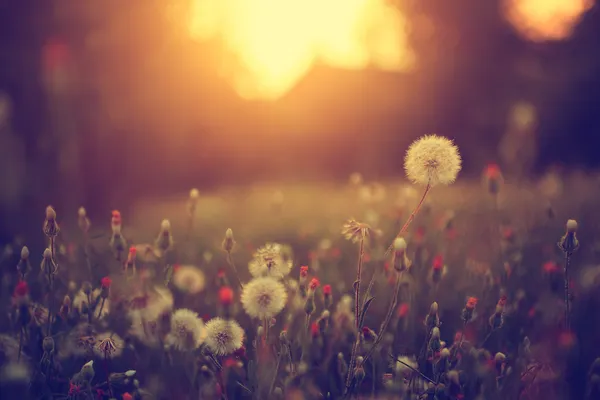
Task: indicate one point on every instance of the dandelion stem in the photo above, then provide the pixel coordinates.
(460, 341)
(101, 308)
(276, 373)
(357, 284)
(235, 272)
(411, 217)
(107, 374)
(20, 344)
(567, 299)
(384, 325)
(51, 287)
(415, 370)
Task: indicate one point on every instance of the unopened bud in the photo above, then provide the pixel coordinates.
(48, 344)
(228, 242)
(165, 225)
(194, 194)
(50, 213)
(433, 309)
(25, 253)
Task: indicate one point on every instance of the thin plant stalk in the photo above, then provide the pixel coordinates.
(460, 341)
(567, 297)
(106, 369)
(357, 285)
(411, 217)
(51, 287)
(384, 325)
(101, 308)
(416, 371)
(20, 344)
(233, 267)
(276, 373)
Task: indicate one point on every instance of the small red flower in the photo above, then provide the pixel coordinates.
(303, 271)
(132, 251)
(230, 362)
(471, 303)
(220, 273)
(566, 339)
(550, 267)
(314, 283)
(508, 233)
(438, 263)
(327, 290)
(226, 296)
(403, 310)
(21, 290)
(106, 282)
(492, 171)
(127, 396)
(314, 329)
(502, 301)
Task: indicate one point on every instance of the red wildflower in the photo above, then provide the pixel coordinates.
(226, 296)
(303, 271)
(220, 273)
(502, 301)
(438, 263)
(74, 390)
(106, 282)
(386, 266)
(314, 283)
(403, 310)
(132, 251)
(471, 303)
(116, 218)
(230, 362)
(508, 233)
(327, 290)
(127, 396)
(21, 290)
(176, 268)
(492, 171)
(566, 339)
(314, 329)
(550, 267)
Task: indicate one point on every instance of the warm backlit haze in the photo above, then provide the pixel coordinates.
(542, 20)
(269, 45)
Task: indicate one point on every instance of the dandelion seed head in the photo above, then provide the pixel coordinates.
(356, 231)
(571, 225)
(187, 330)
(224, 337)
(432, 160)
(270, 261)
(108, 345)
(189, 279)
(264, 297)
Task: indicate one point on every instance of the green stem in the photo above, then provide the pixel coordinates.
(410, 218)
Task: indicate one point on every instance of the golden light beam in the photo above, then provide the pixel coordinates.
(545, 20)
(272, 44)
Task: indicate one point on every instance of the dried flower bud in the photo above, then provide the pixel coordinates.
(309, 305)
(86, 288)
(194, 194)
(48, 344)
(433, 309)
(24, 253)
(401, 261)
(82, 220)
(48, 266)
(283, 337)
(51, 228)
(165, 225)
(50, 213)
(569, 243)
(228, 242)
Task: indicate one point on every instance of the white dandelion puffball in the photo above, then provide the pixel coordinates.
(187, 330)
(223, 336)
(269, 261)
(432, 160)
(263, 297)
(189, 279)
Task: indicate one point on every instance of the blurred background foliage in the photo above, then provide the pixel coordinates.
(106, 102)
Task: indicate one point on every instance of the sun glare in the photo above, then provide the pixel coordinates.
(274, 43)
(545, 20)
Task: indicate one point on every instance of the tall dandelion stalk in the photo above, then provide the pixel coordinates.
(568, 244)
(356, 232)
(430, 160)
